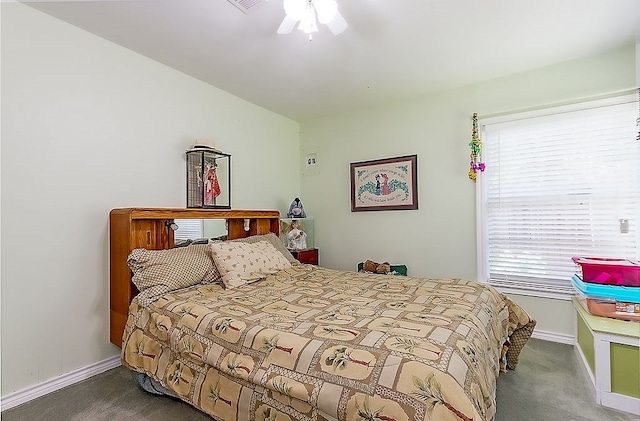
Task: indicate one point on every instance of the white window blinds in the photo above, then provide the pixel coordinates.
(559, 183)
(188, 229)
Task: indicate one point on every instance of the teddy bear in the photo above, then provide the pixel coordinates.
(375, 267)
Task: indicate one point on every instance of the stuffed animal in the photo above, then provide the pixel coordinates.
(296, 210)
(383, 268)
(375, 267)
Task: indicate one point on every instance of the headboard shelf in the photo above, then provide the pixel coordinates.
(131, 228)
(184, 213)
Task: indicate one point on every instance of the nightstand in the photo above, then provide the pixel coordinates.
(610, 351)
(309, 256)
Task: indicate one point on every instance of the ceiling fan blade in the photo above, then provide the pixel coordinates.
(287, 26)
(337, 25)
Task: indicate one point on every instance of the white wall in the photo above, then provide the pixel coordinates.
(88, 126)
(438, 239)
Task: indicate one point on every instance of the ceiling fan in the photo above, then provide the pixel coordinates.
(306, 11)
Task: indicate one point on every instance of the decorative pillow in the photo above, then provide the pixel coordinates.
(240, 263)
(520, 328)
(274, 240)
(211, 276)
(157, 272)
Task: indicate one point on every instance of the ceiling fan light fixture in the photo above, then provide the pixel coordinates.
(307, 13)
(308, 22)
(326, 9)
(294, 9)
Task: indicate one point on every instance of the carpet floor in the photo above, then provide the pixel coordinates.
(549, 384)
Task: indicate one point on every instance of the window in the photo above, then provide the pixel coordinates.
(559, 182)
(188, 229)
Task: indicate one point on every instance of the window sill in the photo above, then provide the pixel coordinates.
(556, 292)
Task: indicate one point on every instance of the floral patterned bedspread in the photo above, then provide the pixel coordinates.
(310, 343)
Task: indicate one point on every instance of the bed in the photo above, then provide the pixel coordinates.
(302, 342)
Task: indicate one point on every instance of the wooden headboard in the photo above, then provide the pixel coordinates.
(131, 228)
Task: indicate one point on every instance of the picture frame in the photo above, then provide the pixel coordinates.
(385, 184)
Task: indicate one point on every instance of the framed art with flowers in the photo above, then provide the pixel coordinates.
(384, 184)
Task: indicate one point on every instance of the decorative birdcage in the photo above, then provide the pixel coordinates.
(208, 178)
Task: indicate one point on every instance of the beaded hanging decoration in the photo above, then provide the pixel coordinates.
(638, 119)
(476, 163)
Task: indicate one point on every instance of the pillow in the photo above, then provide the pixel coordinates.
(182, 243)
(211, 276)
(240, 263)
(274, 240)
(157, 272)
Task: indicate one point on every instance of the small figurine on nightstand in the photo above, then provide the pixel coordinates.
(297, 238)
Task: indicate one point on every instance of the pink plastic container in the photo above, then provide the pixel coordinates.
(609, 271)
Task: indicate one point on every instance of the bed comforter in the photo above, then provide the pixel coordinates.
(310, 343)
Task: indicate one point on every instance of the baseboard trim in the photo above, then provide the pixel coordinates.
(562, 338)
(25, 395)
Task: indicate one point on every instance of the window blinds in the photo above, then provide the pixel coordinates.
(188, 229)
(559, 183)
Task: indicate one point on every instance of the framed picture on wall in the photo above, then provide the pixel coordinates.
(384, 184)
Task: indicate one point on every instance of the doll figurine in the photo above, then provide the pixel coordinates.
(212, 187)
(296, 238)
